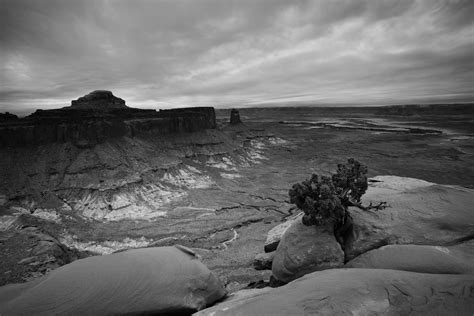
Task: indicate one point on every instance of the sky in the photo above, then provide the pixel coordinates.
(223, 53)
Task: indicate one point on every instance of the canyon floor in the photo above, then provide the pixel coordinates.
(218, 192)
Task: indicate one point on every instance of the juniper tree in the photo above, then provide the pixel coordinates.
(326, 199)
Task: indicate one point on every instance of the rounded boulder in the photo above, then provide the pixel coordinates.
(305, 249)
(141, 281)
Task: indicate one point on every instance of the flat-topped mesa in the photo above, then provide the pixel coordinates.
(99, 100)
(97, 117)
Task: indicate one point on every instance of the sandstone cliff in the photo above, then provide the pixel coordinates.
(97, 117)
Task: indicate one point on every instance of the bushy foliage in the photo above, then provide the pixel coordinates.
(350, 180)
(325, 199)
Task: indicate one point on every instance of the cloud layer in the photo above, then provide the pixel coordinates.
(236, 53)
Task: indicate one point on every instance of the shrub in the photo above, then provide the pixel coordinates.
(325, 199)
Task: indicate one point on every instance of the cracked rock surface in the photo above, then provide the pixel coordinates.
(358, 292)
(419, 212)
(418, 258)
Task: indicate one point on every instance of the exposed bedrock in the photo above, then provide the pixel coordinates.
(419, 213)
(357, 292)
(305, 249)
(162, 280)
(97, 117)
(97, 130)
(128, 177)
(28, 252)
(418, 258)
(275, 234)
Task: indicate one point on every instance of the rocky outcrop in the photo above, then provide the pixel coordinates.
(305, 249)
(163, 280)
(28, 252)
(235, 117)
(99, 116)
(275, 234)
(98, 100)
(419, 212)
(358, 292)
(418, 258)
(263, 261)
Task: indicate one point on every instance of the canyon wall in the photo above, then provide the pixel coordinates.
(91, 131)
(86, 125)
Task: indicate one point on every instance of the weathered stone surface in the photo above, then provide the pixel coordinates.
(235, 117)
(263, 261)
(87, 127)
(275, 234)
(142, 281)
(358, 292)
(98, 100)
(28, 253)
(416, 258)
(419, 212)
(305, 249)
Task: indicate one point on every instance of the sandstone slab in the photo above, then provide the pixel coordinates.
(150, 280)
(416, 258)
(419, 212)
(358, 292)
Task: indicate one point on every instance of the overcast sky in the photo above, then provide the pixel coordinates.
(235, 53)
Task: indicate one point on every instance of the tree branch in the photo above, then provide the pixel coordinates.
(370, 207)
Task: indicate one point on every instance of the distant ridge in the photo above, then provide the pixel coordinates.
(99, 116)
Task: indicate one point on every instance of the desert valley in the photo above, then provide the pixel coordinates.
(99, 178)
(236, 157)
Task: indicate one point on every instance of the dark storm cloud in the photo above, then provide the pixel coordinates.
(227, 53)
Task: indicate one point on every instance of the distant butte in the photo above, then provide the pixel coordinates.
(99, 100)
(97, 117)
(235, 117)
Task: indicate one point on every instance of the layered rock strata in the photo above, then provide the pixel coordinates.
(98, 99)
(97, 117)
(235, 117)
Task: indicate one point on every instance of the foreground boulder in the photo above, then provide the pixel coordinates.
(263, 261)
(150, 280)
(358, 292)
(305, 249)
(274, 235)
(419, 212)
(416, 258)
